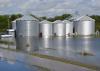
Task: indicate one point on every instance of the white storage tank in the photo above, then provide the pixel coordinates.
(69, 27)
(59, 28)
(27, 26)
(14, 24)
(46, 28)
(84, 25)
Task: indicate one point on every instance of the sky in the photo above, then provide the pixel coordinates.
(50, 7)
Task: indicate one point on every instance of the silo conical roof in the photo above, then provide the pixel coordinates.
(66, 21)
(84, 18)
(27, 17)
(45, 21)
(57, 21)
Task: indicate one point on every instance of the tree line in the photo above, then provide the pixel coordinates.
(5, 20)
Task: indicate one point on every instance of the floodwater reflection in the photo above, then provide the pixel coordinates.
(69, 48)
(27, 44)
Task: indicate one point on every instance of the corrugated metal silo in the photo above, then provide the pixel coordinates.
(46, 28)
(85, 25)
(69, 27)
(59, 28)
(14, 24)
(27, 26)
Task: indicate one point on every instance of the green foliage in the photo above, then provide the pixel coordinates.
(5, 21)
(97, 21)
(62, 17)
(15, 16)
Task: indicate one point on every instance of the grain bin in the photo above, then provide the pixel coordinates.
(14, 24)
(46, 28)
(27, 26)
(59, 28)
(69, 27)
(84, 25)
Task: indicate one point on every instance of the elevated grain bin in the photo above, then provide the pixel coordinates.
(46, 28)
(27, 26)
(84, 25)
(69, 27)
(59, 28)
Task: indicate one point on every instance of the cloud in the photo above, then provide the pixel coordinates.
(50, 7)
(5, 3)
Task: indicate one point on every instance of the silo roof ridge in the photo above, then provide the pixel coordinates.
(57, 21)
(67, 21)
(84, 18)
(27, 17)
(45, 21)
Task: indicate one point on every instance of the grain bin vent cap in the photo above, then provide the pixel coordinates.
(27, 17)
(84, 18)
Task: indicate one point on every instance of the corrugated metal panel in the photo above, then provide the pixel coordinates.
(69, 27)
(85, 27)
(27, 27)
(46, 28)
(59, 28)
(14, 25)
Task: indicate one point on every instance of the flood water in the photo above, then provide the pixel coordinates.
(8, 65)
(68, 48)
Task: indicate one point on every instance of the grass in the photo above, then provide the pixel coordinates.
(6, 42)
(67, 61)
(42, 68)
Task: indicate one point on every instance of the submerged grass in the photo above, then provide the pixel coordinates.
(67, 61)
(6, 42)
(42, 68)
(96, 68)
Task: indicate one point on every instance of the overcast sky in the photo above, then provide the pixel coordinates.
(50, 7)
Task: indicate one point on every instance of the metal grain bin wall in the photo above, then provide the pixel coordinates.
(85, 26)
(14, 25)
(69, 27)
(46, 28)
(27, 26)
(59, 28)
